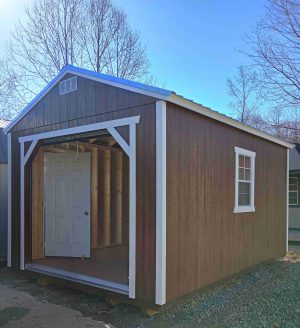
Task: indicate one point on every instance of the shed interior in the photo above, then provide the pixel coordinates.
(109, 207)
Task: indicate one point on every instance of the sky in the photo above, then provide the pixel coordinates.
(192, 45)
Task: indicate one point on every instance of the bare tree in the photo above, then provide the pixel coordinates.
(253, 107)
(275, 49)
(7, 91)
(246, 92)
(93, 34)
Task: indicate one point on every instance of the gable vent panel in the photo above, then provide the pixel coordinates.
(67, 86)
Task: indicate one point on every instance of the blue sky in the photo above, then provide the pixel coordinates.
(192, 44)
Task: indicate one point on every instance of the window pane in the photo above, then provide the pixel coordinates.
(241, 174)
(244, 188)
(293, 199)
(244, 194)
(292, 180)
(247, 162)
(241, 199)
(293, 187)
(244, 200)
(241, 161)
(247, 174)
(247, 199)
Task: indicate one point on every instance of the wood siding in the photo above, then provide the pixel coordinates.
(206, 241)
(96, 102)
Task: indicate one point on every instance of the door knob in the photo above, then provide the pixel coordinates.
(86, 213)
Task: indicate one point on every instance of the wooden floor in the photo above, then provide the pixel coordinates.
(108, 263)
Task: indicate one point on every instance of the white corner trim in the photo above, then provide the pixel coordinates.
(180, 101)
(22, 209)
(287, 198)
(9, 203)
(132, 211)
(131, 152)
(161, 203)
(251, 208)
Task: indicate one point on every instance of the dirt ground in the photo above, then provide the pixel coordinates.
(268, 296)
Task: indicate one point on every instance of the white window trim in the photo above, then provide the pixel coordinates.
(296, 191)
(252, 155)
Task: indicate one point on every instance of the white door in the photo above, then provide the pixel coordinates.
(67, 204)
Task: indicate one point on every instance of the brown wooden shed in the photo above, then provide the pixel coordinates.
(135, 190)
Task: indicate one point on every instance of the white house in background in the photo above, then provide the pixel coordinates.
(3, 191)
(294, 196)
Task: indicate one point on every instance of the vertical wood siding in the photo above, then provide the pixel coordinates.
(206, 241)
(96, 102)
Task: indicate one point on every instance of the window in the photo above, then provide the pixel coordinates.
(67, 86)
(293, 191)
(244, 180)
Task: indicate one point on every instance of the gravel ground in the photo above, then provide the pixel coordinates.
(268, 296)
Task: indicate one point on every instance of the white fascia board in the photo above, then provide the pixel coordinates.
(224, 119)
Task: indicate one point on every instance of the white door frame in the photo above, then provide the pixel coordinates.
(130, 150)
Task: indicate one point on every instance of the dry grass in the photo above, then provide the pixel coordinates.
(291, 257)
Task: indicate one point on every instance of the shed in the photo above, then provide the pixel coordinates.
(294, 195)
(3, 191)
(133, 189)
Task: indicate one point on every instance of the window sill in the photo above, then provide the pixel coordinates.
(244, 209)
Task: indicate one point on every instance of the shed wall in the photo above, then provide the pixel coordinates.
(96, 102)
(206, 241)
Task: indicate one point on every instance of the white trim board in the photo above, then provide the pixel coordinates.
(79, 278)
(130, 150)
(287, 197)
(158, 93)
(9, 203)
(161, 203)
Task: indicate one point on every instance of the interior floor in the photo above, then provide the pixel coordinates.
(107, 263)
